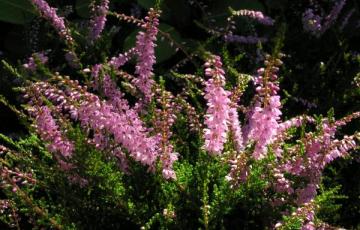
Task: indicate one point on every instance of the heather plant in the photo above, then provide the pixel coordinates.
(112, 144)
(317, 25)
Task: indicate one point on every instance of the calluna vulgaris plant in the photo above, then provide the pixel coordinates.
(124, 149)
(316, 24)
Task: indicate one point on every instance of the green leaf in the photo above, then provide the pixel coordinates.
(163, 49)
(16, 11)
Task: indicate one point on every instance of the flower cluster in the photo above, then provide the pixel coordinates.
(121, 59)
(246, 39)
(333, 15)
(49, 13)
(235, 129)
(264, 117)
(306, 214)
(49, 132)
(316, 24)
(256, 15)
(31, 64)
(164, 122)
(15, 178)
(311, 21)
(12, 178)
(264, 125)
(120, 106)
(4, 204)
(116, 127)
(98, 20)
(320, 148)
(110, 126)
(112, 117)
(217, 114)
(238, 170)
(98, 115)
(145, 49)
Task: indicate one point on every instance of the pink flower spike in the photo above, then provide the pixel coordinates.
(49, 13)
(49, 132)
(217, 114)
(98, 20)
(145, 48)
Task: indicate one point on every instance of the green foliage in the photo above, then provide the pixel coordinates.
(16, 11)
(291, 223)
(329, 203)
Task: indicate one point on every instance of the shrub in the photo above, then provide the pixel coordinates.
(115, 145)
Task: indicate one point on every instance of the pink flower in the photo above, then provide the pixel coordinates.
(312, 22)
(306, 194)
(121, 59)
(167, 163)
(235, 128)
(31, 64)
(256, 15)
(50, 14)
(50, 133)
(145, 48)
(264, 125)
(99, 19)
(317, 25)
(123, 126)
(217, 114)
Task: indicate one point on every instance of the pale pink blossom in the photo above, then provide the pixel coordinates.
(217, 114)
